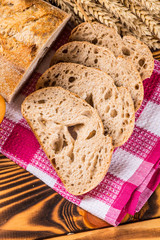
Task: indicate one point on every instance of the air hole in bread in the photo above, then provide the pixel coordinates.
(107, 109)
(121, 130)
(127, 115)
(95, 60)
(86, 74)
(127, 104)
(53, 83)
(72, 132)
(65, 50)
(111, 36)
(46, 83)
(117, 74)
(108, 94)
(100, 42)
(28, 107)
(42, 121)
(126, 51)
(89, 99)
(83, 158)
(57, 75)
(87, 114)
(64, 142)
(72, 79)
(95, 40)
(145, 66)
(72, 157)
(141, 74)
(141, 62)
(56, 145)
(91, 134)
(95, 50)
(113, 113)
(122, 115)
(53, 162)
(86, 59)
(41, 101)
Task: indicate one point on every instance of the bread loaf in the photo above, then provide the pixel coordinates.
(72, 136)
(128, 46)
(121, 70)
(114, 106)
(27, 29)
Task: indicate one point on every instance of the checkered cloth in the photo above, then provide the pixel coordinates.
(134, 172)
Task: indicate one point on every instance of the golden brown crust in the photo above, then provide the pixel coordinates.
(25, 27)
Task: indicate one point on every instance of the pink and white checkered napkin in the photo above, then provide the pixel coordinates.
(134, 172)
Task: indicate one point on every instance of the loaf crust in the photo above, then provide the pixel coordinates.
(25, 27)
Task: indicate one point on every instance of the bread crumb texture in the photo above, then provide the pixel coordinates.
(25, 26)
(71, 134)
(114, 105)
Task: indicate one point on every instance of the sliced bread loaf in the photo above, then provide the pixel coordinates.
(121, 70)
(71, 134)
(115, 107)
(128, 46)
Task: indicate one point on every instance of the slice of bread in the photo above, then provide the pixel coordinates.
(128, 46)
(71, 134)
(121, 70)
(115, 108)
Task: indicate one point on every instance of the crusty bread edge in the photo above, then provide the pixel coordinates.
(41, 144)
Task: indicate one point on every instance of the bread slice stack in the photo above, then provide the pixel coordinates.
(121, 70)
(114, 105)
(72, 136)
(86, 101)
(128, 46)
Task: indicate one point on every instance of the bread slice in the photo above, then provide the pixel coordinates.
(115, 107)
(71, 134)
(121, 70)
(128, 46)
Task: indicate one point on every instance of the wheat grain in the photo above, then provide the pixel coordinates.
(120, 12)
(151, 5)
(145, 16)
(99, 13)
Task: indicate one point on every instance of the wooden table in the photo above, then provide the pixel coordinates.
(29, 209)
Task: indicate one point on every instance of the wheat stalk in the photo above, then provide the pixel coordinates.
(120, 12)
(81, 13)
(99, 13)
(148, 40)
(151, 5)
(145, 16)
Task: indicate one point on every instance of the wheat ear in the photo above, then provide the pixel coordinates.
(145, 16)
(99, 13)
(120, 12)
(151, 5)
(150, 41)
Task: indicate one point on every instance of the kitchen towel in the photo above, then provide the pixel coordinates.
(134, 172)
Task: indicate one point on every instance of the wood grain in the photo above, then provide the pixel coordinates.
(146, 230)
(30, 209)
